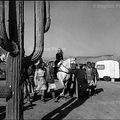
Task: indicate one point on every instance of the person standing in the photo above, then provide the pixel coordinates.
(91, 83)
(81, 80)
(40, 76)
(89, 73)
(50, 79)
(31, 72)
(95, 74)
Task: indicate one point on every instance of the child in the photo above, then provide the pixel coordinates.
(40, 76)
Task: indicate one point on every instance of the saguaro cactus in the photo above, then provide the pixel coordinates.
(42, 24)
(14, 44)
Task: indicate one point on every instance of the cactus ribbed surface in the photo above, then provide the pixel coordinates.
(14, 44)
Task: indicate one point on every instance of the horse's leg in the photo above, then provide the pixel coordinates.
(69, 86)
(64, 89)
(61, 94)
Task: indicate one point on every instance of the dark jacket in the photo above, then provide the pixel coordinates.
(81, 76)
(50, 74)
(59, 56)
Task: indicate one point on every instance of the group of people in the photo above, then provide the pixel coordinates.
(42, 77)
(86, 76)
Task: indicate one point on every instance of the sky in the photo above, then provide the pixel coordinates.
(80, 28)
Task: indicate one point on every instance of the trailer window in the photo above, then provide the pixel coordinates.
(100, 67)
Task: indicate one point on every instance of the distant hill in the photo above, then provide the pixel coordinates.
(84, 59)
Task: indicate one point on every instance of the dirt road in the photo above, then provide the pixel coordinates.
(104, 105)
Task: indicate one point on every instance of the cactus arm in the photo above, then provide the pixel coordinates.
(38, 32)
(42, 24)
(47, 13)
(6, 43)
(3, 33)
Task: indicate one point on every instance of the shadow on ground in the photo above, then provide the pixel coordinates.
(48, 96)
(30, 106)
(2, 112)
(37, 98)
(61, 112)
(98, 90)
(64, 110)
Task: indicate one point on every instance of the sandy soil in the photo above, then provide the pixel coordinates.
(105, 104)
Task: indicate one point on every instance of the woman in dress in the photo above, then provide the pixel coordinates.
(41, 82)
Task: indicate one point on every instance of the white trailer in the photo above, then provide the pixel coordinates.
(108, 69)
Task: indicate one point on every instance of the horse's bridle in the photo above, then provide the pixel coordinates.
(66, 68)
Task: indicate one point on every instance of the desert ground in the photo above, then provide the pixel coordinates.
(105, 104)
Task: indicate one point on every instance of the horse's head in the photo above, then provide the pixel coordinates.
(69, 62)
(73, 63)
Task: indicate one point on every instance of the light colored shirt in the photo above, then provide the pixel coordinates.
(39, 73)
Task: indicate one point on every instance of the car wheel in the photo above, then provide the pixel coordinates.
(106, 78)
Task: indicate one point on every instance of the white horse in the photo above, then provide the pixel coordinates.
(63, 74)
